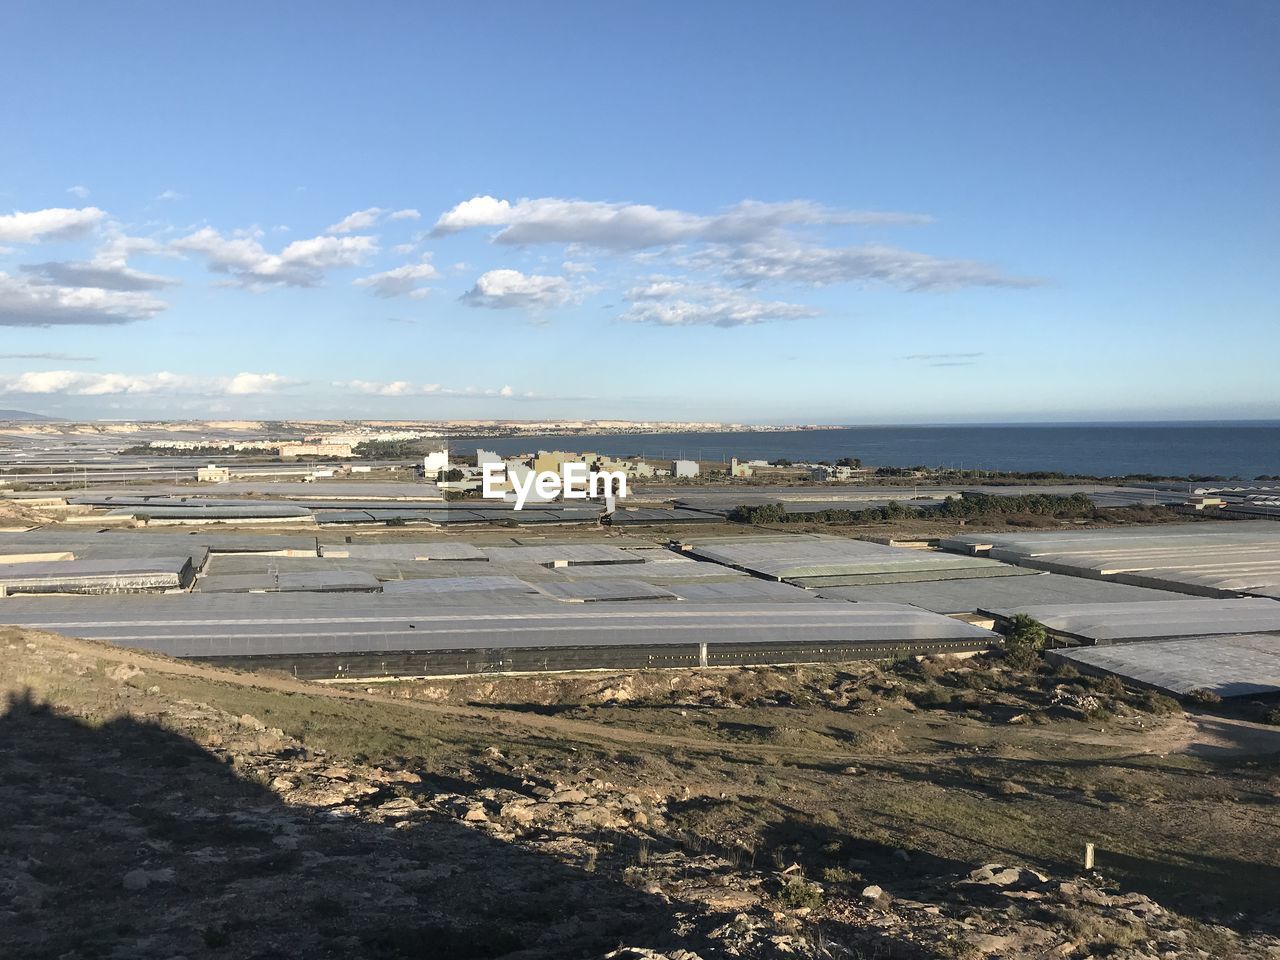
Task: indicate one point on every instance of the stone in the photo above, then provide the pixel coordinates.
(987, 943)
(998, 875)
(518, 811)
(872, 891)
(123, 671)
(570, 795)
(400, 805)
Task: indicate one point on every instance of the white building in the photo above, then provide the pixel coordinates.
(824, 473)
(212, 474)
(684, 468)
(435, 463)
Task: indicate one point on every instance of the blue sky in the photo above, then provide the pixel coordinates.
(819, 212)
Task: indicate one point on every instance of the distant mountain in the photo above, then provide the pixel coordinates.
(21, 415)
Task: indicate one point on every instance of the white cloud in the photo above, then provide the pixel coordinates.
(302, 263)
(676, 303)
(400, 281)
(64, 357)
(168, 195)
(808, 264)
(55, 223)
(747, 244)
(80, 384)
(79, 191)
(27, 304)
(395, 388)
(630, 226)
(108, 270)
(404, 388)
(406, 214)
(360, 220)
(504, 289)
(251, 383)
(94, 274)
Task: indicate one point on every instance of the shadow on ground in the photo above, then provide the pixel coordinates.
(127, 840)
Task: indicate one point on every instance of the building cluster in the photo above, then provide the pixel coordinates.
(340, 445)
(468, 476)
(231, 446)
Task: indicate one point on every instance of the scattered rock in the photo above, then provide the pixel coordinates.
(122, 672)
(998, 875)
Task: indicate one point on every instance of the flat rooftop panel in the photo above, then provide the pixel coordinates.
(203, 625)
(569, 553)
(1103, 623)
(1213, 559)
(445, 586)
(923, 573)
(742, 590)
(971, 595)
(1237, 665)
(195, 512)
(55, 570)
(592, 591)
(790, 559)
(314, 581)
(125, 543)
(406, 552)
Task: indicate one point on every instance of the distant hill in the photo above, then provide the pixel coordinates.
(21, 415)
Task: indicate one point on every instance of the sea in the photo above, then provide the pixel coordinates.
(1233, 449)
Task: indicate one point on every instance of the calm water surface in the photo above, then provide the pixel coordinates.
(1244, 449)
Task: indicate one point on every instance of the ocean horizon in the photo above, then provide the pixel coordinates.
(1230, 448)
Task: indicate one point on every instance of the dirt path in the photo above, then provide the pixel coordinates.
(580, 730)
(1199, 735)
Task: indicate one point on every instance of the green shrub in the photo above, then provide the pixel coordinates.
(840, 875)
(1110, 685)
(1158, 704)
(796, 893)
(931, 697)
(1024, 640)
(1204, 698)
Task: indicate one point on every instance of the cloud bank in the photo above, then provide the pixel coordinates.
(507, 289)
(81, 384)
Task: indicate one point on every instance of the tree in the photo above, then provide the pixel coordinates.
(1024, 640)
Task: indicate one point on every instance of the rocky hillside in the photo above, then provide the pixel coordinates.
(160, 809)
